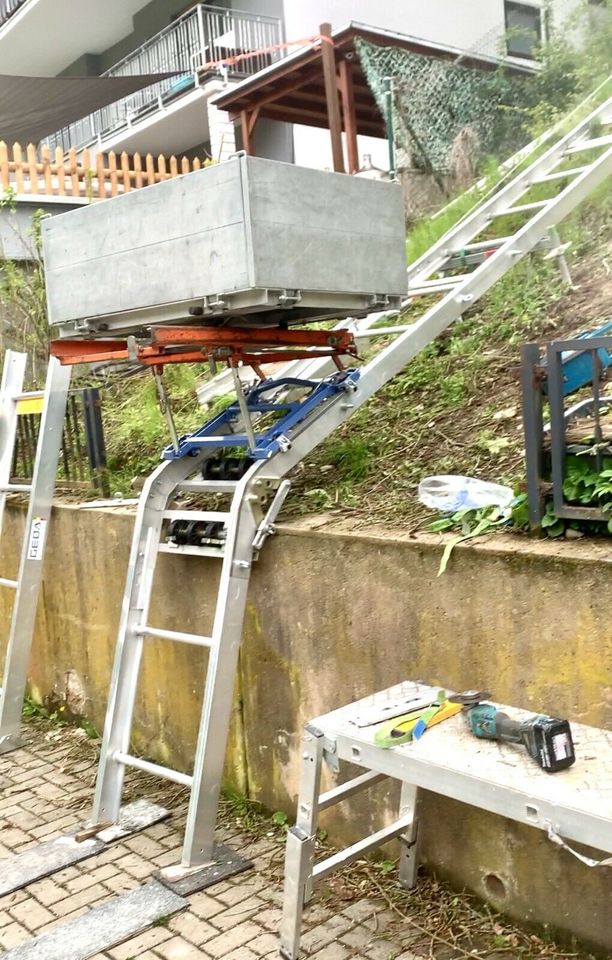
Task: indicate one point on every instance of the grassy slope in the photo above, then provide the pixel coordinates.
(456, 408)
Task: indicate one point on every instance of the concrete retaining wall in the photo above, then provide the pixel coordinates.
(334, 616)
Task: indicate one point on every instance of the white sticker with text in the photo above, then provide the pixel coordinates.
(36, 543)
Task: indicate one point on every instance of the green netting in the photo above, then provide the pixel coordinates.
(435, 102)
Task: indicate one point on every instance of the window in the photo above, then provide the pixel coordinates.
(524, 29)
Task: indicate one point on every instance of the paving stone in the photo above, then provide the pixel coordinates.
(325, 932)
(192, 928)
(84, 898)
(382, 950)
(31, 914)
(13, 934)
(205, 906)
(121, 883)
(361, 910)
(135, 866)
(265, 944)
(135, 947)
(358, 937)
(238, 913)
(270, 919)
(242, 953)
(144, 846)
(12, 836)
(178, 949)
(334, 951)
(223, 944)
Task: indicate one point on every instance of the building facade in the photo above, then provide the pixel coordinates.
(178, 115)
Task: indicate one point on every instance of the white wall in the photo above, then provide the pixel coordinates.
(459, 23)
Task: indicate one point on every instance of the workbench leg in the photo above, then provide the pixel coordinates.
(300, 848)
(409, 862)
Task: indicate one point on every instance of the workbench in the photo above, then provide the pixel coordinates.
(573, 805)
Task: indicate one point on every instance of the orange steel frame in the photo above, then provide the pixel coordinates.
(200, 344)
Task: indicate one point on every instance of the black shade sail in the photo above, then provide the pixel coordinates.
(31, 108)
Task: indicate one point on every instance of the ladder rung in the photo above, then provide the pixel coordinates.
(210, 515)
(30, 395)
(381, 331)
(153, 768)
(560, 175)
(5, 582)
(16, 488)
(589, 145)
(442, 282)
(480, 245)
(210, 486)
(194, 638)
(192, 551)
(522, 208)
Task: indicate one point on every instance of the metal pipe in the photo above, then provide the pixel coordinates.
(244, 410)
(164, 406)
(388, 100)
(196, 639)
(155, 769)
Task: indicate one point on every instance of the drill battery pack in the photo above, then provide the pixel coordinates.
(549, 741)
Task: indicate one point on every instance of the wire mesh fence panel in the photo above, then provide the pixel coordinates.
(437, 102)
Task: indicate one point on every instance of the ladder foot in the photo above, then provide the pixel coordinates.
(187, 880)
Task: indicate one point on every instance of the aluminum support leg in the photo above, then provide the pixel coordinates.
(220, 681)
(31, 565)
(300, 849)
(124, 681)
(409, 861)
(533, 429)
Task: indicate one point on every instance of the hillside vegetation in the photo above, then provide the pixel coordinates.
(457, 408)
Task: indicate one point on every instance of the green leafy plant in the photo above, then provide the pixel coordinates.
(472, 523)
(475, 523)
(23, 300)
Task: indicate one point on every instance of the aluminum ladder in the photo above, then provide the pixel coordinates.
(40, 491)
(246, 523)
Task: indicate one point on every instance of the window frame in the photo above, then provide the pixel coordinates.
(519, 7)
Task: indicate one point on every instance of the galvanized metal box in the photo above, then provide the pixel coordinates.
(249, 239)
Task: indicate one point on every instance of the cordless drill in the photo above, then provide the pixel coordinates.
(546, 739)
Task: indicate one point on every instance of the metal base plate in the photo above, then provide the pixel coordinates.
(53, 855)
(187, 880)
(102, 927)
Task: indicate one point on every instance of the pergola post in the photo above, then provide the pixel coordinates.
(331, 95)
(248, 119)
(348, 114)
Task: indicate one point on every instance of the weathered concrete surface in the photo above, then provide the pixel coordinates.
(333, 616)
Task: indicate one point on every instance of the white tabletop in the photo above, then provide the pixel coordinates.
(501, 777)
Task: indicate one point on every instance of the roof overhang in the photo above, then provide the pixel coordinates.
(293, 89)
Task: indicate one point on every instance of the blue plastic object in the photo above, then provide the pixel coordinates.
(578, 367)
(276, 437)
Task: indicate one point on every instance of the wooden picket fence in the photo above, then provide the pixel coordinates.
(41, 172)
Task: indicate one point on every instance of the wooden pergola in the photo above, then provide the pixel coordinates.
(323, 85)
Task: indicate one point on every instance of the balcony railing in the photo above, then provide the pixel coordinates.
(8, 8)
(202, 35)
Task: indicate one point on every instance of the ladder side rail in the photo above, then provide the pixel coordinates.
(135, 609)
(31, 565)
(390, 361)
(471, 225)
(221, 673)
(13, 374)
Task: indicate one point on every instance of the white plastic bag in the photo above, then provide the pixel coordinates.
(450, 493)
